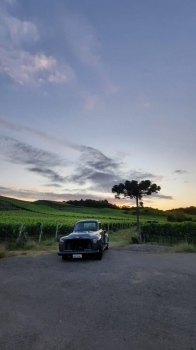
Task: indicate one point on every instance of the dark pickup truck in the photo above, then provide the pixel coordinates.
(87, 238)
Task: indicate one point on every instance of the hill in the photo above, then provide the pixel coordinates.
(45, 209)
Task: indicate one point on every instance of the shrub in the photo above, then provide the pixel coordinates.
(178, 217)
(31, 245)
(169, 232)
(134, 240)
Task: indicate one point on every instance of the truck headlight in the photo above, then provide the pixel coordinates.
(95, 240)
(61, 241)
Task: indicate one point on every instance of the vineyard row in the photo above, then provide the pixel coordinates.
(43, 230)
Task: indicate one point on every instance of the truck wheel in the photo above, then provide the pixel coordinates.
(107, 246)
(100, 254)
(64, 257)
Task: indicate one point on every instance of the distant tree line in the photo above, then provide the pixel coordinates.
(190, 210)
(92, 203)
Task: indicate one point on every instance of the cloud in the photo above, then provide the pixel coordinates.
(92, 167)
(21, 153)
(162, 196)
(33, 131)
(103, 172)
(180, 171)
(67, 195)
(81, 39)
(20, 32)
(33, 70)
(141, 175)
(23, 66)
(45, 195)
(101, 181)
(53, 185)
(51, 174)
(95, 158)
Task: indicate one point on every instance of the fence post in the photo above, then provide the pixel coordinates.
(41, 232)
(57, 230)
(20, 232)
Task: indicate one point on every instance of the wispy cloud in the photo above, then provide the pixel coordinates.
(46, 172)
(179, 171)
(33, 70)
(142, 175)
(21, 153)
(103, 172)
(162, 196)
(92, 167)
(81, 39)
(20, 64)
(20, 32)
(38, 195)
(52, 185)
(65, 195)
(19, 128)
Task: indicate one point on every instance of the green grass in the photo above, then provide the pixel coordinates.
(122, 237)
(30, 247)
(185, 248)
(46, 245)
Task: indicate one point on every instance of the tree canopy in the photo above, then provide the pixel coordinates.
(135, 189)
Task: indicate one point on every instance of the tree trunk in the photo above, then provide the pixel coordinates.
(138, 220)
(137, 213)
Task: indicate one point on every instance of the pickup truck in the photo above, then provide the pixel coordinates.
(87, 238)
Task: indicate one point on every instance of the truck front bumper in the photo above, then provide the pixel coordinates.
(83, 252)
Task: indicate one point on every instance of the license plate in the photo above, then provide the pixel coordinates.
(77, 256)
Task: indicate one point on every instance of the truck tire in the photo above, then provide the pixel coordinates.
(100, 254)
(64, 257)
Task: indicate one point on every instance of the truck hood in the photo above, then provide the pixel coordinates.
(83, 234)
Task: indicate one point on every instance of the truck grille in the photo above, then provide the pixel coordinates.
(78, 244)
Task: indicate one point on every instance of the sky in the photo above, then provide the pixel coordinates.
(93, 93)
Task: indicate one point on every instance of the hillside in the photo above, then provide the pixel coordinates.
(45, 209)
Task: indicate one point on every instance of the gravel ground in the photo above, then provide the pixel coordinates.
(148, 248)
(128, 300)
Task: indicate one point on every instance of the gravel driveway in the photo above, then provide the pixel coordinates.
(129, 300)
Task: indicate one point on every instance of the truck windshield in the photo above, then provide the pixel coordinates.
(86, 226)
